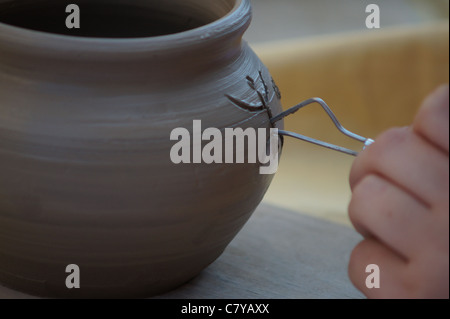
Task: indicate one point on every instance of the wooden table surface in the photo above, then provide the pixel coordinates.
(279, 254)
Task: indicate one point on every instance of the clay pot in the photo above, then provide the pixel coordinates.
(85, 121)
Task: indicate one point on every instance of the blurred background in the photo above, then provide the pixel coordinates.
(284, 19)
(373, 79)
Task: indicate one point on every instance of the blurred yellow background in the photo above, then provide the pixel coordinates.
(372, 80)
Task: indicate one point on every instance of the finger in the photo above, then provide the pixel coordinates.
(384, 211)
(407, 160)
(391, 266)
(432, 120)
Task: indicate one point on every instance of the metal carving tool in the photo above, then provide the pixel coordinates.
(366, 141)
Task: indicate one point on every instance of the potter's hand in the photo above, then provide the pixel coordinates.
(400, 205)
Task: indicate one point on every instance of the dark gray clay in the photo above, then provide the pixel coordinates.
(85, 121)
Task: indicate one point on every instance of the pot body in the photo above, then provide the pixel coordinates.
(85, 171)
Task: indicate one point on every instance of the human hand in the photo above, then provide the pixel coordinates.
(400, 204)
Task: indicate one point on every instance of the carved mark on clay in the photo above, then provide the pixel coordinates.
(263, 95)
(276, 89)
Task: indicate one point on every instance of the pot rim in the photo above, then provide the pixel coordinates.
(233, 24)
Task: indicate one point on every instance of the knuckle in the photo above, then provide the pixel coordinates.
(357, 253)
(431, 120)
(365, 189)
(366, 186)
(392, 138)
(357, 259)
(363, 192)
(424, 121)
(353, 213)
(385, 143)
(353, 263)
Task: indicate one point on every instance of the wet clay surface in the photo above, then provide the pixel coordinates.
(263, 263)
(86, 176)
